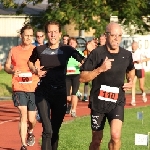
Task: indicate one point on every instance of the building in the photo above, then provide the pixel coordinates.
(10, 24)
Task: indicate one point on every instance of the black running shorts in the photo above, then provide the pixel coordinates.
(98, 119)
(140, 73)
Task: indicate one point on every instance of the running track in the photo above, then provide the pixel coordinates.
(9, 137)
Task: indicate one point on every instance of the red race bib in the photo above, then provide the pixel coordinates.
(108, 93)
(71, 70)
(25, 77)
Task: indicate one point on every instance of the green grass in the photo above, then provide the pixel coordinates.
(76, 135)
(5, 84)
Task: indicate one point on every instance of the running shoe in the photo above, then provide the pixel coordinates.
(79, 95)
(133, 104)
(68, 109)
(23, 148)
(85, 99)
(30, 139)
(144, 98)
(38, 118)
(73, 114)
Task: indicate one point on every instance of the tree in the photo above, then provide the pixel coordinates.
(91, 13)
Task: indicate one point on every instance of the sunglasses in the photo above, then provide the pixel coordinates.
(40, 36)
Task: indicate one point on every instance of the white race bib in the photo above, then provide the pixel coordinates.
(25, 77)
(71, 70)
(108, 93)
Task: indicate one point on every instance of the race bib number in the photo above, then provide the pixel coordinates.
(25, 77)
(108, 93)
(71, 70)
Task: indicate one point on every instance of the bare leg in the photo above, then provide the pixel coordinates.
(96, 140)
(133, 91)
(115, 131)
(23, 123)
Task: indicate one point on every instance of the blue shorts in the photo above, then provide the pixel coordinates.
(24, 99)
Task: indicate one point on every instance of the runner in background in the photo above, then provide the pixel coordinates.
(102, 40)
(65, 39)
(39, 38)
(72, 80)
(139, 57)
(86, 54)
(24, 83)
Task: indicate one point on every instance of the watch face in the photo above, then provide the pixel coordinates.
(81, 44)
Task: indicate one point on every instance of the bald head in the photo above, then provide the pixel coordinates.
(112, 26)
(134, 46)
(113, 36)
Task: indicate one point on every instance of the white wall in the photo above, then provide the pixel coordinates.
(10, 26)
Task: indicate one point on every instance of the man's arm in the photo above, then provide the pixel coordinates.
(32, 67)
(8, 66)
(86, 76)
(146, 59)
(131, 75)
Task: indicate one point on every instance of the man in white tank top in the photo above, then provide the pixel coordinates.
(138, 57)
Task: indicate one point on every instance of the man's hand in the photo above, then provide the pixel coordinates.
(16, 73)
(106, 65)
(138, 61)
(40, 72)
(128, 86)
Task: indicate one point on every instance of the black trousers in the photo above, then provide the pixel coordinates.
(52, 108)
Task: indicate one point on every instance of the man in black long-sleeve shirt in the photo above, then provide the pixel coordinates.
(51, 90)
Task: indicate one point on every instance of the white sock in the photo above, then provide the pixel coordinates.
(143, 94)
(133, 100)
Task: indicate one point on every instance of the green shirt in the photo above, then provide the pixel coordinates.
(73, 66)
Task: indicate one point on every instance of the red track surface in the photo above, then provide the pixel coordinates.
(9, 137)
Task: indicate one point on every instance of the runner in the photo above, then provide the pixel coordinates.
(139, 57)
(65, 39)
(102, 40)
(106, 67)
(51, 91)
(40, 37)
(23, 85)
(86, 54)
(72, 80)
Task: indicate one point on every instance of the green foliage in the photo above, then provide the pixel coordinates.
(90, 13)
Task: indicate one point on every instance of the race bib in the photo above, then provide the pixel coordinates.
(25, 77)
(108, 93)
(71, 70)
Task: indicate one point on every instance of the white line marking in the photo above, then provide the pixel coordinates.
(9, 120)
